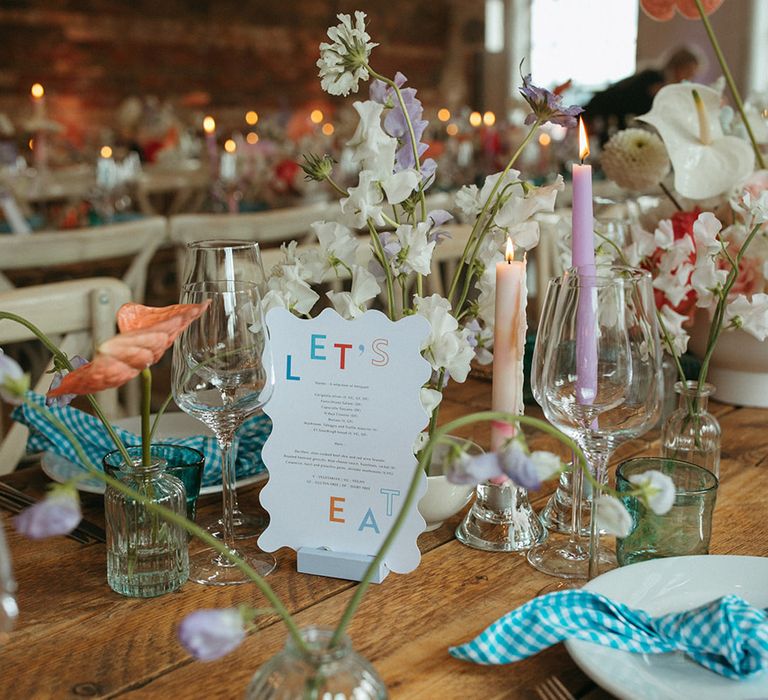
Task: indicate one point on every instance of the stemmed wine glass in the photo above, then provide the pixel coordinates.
(222, 374)
(602, 380)
(238, 261)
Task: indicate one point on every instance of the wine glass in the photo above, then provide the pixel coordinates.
(602, 380)
(222, 374)
(9, 610)
(239, 261)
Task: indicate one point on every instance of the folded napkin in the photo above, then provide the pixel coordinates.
(44, 437)
(727, 636)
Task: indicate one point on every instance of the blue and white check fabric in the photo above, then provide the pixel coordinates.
(44, 437)
(727, 635)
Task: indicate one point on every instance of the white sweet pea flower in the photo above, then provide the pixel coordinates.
(758, 207)
(519, 208)
(707, 280)
(353, 303)
(673, 323)
(511, 180)
(290, 291)
(612, 516)
(524, 235)
(547, 464)
(675, 284)
(338, 244)
(363, 202)
(489, 252)
(447, 346)
(658, 490)
(430, 399)
(468, 201)
(416, 249)
(749, 314)
(398, 186)
(679, 253)
(705, 232)
(664, 235)
(373, 148)
(13, 381)
(643, 245)
(343, 61)
(486, 299)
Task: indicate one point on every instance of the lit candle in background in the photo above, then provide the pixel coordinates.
(228, 174)
(106, 169)
(209, 127)
(40, 150)
(583, 257)
(508, 343)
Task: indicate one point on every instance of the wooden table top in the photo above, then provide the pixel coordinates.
(76, 638)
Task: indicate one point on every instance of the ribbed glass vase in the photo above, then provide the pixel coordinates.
(339, 673)
(146, 555)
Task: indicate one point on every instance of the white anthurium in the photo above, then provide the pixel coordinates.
(430, 400)
(613, 517)
(707, 280)
(518, 208)
(750, 315)
(337, 242)
(664, 235)
(706, 163)
(447, 346)
(416, 248)
(675, 284)
(468, 201)
(353, 303)
(363, 202)
(673, 323)
(705, 232)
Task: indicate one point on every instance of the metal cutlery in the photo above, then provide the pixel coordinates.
(552, 688)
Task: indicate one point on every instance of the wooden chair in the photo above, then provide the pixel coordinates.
(136, 239)
(269, 228)
(82, 314)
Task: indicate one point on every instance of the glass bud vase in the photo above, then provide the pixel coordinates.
(691, 433)
(339, 673)
(146, 555)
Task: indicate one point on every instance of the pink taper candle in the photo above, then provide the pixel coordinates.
(583, 257)
(508, 343)
(40, 146)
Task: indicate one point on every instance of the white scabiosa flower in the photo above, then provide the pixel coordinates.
(343, 62)
(635, 159)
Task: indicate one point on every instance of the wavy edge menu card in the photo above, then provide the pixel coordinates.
(346, 413)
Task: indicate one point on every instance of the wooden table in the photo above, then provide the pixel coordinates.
(76, 638)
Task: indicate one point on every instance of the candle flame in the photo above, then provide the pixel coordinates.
(37, 91)
(230, 146)
(583, 140)
(105, 152)
(209, 125)
(510, 253)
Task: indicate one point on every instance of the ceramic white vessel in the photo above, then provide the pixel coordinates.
(739, 366)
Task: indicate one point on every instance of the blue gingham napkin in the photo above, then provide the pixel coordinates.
(727, 636)
(44, 437)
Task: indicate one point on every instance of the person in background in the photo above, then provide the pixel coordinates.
(614, 108)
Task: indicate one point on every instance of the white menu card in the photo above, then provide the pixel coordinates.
(346, 413)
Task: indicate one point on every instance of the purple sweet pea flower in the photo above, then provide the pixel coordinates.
(439, 217)
(428, 169)
(57, 514)
(547, 106)
(519, 467)
(210, 634)
(467, 469)
(382, 93)
(64, 399)
(391, 245)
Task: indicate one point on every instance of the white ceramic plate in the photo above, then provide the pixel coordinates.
(172, 425)
(661, 586)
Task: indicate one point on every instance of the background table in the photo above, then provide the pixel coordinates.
(76, 638)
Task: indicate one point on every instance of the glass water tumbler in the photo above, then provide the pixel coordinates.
(146, 555)
(692, 433)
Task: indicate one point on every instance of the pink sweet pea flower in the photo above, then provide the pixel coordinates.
(145, 334)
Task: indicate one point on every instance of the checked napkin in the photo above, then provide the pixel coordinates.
(44, 437)
(727, 635)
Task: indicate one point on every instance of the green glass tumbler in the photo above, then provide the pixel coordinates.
(685, 529)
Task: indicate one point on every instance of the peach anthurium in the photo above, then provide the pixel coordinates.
(145, 334)
(663, 10)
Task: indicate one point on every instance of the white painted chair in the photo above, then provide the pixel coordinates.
(135, 239)
(82, 314)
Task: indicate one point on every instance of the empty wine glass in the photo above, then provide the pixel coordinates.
(222, 374)
(602, 380)
(239, 261)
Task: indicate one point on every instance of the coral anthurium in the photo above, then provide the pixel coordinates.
(663, 10)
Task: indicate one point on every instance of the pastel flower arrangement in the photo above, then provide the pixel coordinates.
(710, 253)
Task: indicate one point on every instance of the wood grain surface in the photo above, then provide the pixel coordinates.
(76, 638)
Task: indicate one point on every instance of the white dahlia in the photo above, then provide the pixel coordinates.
(635, 159)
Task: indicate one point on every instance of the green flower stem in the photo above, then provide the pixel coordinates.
(339, 189)
(387, 270)
(146, 409)
(63, 360)
(731, 83)
(411, 133)
(481, 215)
(180, 520)
(436, 410)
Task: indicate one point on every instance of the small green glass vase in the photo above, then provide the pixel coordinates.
(147, 556)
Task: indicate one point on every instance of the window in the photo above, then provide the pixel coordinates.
(592, 42)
